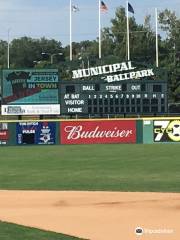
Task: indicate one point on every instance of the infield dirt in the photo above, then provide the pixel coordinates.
(95, 215)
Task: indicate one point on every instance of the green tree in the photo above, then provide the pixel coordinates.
(27, 52)
(3, 54)
(142, 38)
(170, 24)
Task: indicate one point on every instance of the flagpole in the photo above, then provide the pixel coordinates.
(157, 50)
(70, 9)
(99, 29)
(128, 48)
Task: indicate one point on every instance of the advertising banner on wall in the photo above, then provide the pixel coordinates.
(90, 132)
(4, 133)
(167, 131)
(36, 133)
(46, 109)
(30, 86)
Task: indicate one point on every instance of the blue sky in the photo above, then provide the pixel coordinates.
(50, 18)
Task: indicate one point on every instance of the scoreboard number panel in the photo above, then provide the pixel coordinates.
(138, 96)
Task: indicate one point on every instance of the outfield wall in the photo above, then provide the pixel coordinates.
(90, 131)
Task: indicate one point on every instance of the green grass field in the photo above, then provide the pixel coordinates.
(86, 167)
(91, 167)
(15, 232)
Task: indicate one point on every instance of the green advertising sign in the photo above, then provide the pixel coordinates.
(30, 86)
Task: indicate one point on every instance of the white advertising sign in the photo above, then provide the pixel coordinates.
(46, 109)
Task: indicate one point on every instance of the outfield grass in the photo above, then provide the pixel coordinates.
(16, 232)
(118, 167)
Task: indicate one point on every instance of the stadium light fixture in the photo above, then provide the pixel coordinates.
(52, 55)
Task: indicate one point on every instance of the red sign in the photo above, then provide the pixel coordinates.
(105, 131)
(4, 135)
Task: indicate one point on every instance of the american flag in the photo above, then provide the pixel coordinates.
(103, 7)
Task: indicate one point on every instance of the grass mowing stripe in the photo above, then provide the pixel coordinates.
(10, 231)
(111, 167)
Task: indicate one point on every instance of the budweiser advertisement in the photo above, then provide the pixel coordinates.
(106, 131)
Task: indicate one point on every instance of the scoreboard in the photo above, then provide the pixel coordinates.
(118, 88)
(126, 97)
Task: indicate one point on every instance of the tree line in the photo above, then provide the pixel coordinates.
(27, 52)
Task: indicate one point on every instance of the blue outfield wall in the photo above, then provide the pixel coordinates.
(90, 131)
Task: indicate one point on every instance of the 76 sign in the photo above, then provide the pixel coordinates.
(167, 131)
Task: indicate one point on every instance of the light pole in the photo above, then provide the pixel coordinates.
(52, 55)
(36, 62)
(8, 60)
